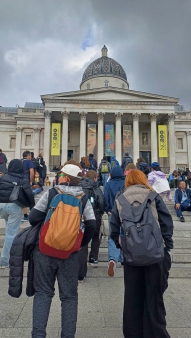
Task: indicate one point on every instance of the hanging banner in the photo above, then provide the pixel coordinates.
(127, 139)
(91, 139)
(109, 140)
(55, 139)
(162, 141)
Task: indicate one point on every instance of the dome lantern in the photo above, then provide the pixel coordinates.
(104, 51)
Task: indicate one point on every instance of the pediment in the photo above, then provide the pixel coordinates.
(110, 94)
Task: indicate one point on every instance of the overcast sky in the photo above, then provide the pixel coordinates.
(47, 44)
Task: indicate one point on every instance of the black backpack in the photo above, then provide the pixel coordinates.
(141, 237)
(127, 160)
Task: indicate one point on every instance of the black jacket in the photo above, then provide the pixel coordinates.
(16, 175)
(22, 250)
(164, 218)
(89, 186)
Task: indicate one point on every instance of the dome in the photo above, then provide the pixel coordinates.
(104, 66)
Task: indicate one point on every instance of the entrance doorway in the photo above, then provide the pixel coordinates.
(146, 155)
(70, 154)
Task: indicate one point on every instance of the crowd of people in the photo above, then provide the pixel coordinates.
(132, 195)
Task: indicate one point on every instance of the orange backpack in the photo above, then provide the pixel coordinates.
(63, 229)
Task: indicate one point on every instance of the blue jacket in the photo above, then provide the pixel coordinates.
(114, 159)
(115, 184)
(178, 195)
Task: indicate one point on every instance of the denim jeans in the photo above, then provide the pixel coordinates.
(179, 211)
(113, 253)
(12, 215)
(37, 191)
(104, 178)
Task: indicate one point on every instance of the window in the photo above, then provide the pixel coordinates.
(28, 140)
(106, 83)
(12, 142)
(180, 143)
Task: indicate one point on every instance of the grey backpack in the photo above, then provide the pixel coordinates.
(141, 237)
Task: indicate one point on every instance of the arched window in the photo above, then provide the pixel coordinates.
(106, 83)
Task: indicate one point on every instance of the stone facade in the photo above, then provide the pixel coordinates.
(29, 128)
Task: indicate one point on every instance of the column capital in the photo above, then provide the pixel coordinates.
(65, 114)
(19, 129)
(136, 116)
(153, 116)
(171, 117)
(36, 130)
(188, 133)
(47, 114)
(83, 115)
(100, 116)
(118, 116)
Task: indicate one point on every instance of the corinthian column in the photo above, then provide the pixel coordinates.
(118, 136)
(82, 134)
(18, 143)
(65, 117)
(171, 141)
(100, 136)
(136, 117)
(36, 141)
(154, 150)
(47, 115)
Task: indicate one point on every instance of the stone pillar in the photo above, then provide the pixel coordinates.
(136, 117)
(171, 141)
(188, 133)
(47, 125)
(18, 154)
(154, 149)
(118, 146)
(100, 136)
(36, 141)
(65, 117)
(82, 134)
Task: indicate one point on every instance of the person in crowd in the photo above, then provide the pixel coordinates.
(1, 174)
(93, 162)
(142, 166)
(112, 187)
(42, 170)
(3, 162)
(37, 184)
(126, 160)
(144, 310)
(104, 170)
(158, 181)
(182, 199)
(95, 195)
(82, 162)
(187, 175)
(28, 168)
(47, 269)
(114, 162)
(11, 212)
(128, 168)
(174, 180)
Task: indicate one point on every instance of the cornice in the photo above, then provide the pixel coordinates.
(113, 102)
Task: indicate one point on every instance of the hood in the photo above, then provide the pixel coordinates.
(113, 158)
(159, 174)
(87, 183)
(71, 190)
(16, 167)
(117, 172)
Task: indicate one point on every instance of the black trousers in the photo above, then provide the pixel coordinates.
(144, 311)
(95, 244)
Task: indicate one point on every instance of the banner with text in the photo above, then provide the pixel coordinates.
(91, 139)
(55, 139)
(127, 139)
(109, 140)
(162, 141)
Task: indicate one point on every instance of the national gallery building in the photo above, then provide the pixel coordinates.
(104, 117)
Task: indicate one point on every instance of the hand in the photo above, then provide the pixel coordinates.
(109, 213)
(177, 206)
